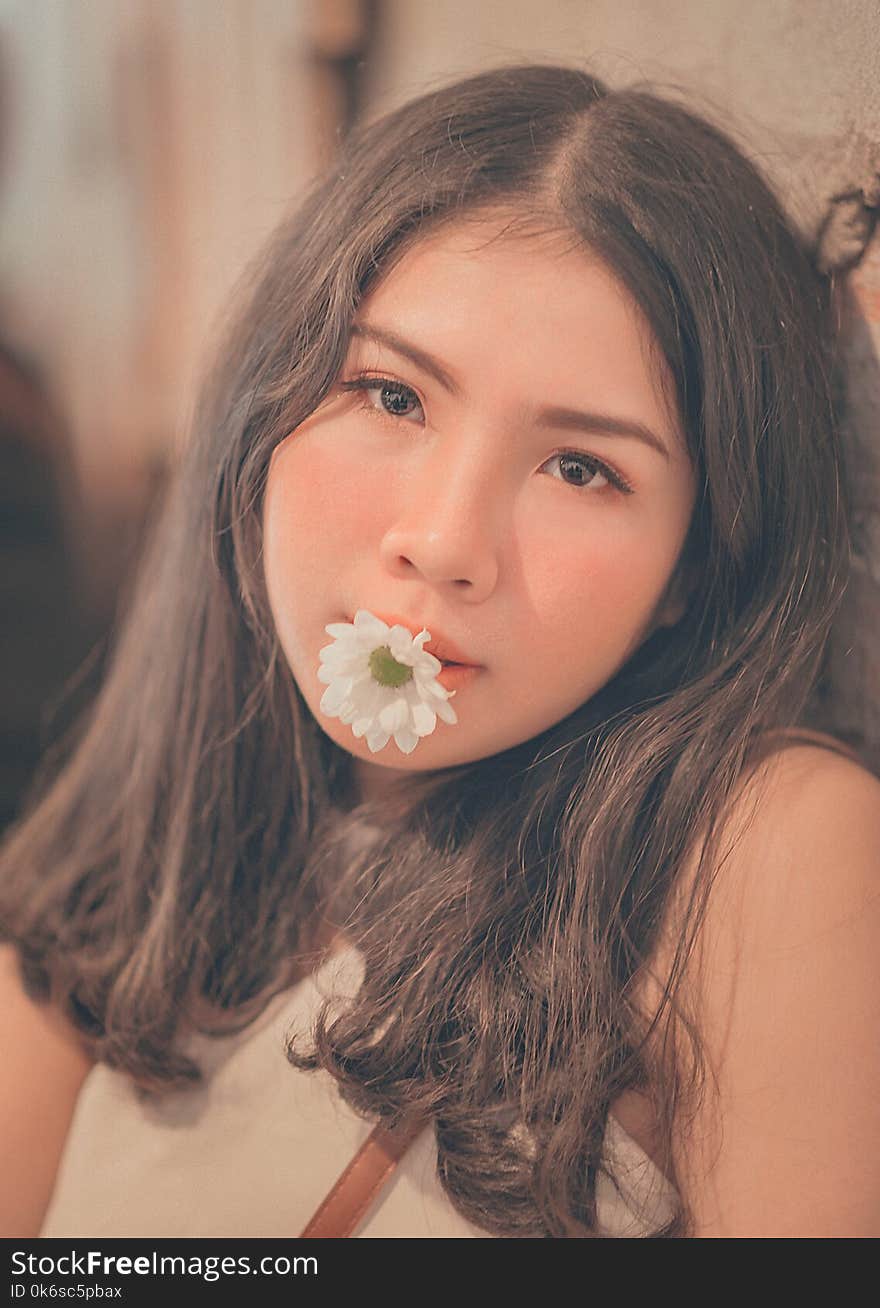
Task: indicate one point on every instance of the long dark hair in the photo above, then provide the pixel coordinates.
(179, 861)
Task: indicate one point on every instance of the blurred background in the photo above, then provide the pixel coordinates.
(147, 147)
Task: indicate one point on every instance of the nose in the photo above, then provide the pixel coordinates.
(448, 528)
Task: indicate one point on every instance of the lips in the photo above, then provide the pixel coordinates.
(449, 654)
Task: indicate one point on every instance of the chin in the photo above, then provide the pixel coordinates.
(422, 759)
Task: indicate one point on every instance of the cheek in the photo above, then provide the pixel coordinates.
(583, 565)
(591, 592)
(318, 502)
(320, 513)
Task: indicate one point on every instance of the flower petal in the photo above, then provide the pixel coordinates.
(335, 695)
(446, 712)
(400, 642)
(406, 740)
(377, 739)
(394, 715)
(346, 661)
(372, 697)
(424, 719)
(433, 691)
(367, 625)
(335, 653)
(427, 663)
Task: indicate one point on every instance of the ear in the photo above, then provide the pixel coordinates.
(674, 601)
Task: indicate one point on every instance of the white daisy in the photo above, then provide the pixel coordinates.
(382, 682)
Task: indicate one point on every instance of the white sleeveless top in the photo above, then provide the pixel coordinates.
(253, 1150)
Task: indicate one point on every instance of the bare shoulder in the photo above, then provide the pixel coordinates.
(800, 843)
(34, 1021)
(785, 988)
(804, 774)
(41, 1073)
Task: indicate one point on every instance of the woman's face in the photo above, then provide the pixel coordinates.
(476, 486)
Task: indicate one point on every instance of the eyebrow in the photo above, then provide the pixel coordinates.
(553, 416)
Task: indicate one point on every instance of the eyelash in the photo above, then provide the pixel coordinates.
(364, 384)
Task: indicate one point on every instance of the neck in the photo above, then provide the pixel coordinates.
(372, 782)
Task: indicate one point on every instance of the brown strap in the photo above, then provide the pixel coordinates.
(372, 1166)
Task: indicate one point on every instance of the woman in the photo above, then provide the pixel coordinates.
(541, 370)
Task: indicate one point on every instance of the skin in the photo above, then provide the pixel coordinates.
(456, 510)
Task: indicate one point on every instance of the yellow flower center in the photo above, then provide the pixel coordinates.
(386, 670)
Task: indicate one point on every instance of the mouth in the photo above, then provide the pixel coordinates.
(452, 676)
(445, 650)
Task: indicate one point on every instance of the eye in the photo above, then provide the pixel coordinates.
(385, 396)
(584, 470)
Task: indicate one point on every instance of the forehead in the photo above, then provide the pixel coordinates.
(491, 291)
(500, 248)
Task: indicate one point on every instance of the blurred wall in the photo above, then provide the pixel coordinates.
(149, 145)
(149, 148)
